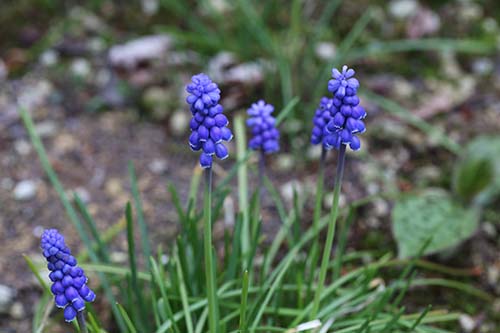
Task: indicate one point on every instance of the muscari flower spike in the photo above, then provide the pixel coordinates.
(209, 124)
(345, 112)
(263, 126)
(321, 118)
(69, 281)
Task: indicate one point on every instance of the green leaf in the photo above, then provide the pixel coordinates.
(431, 215)
(472, 175)
(477, 175)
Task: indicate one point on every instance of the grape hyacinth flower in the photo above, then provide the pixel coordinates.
(346, 113)
(321, 118)
(342, 129)
(263, 126)
(69, 281)
(209, 124)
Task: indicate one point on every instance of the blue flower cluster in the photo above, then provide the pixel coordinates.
(321, 118)
(209, 124)
(69, 281)
(263, 126)
(344, 111)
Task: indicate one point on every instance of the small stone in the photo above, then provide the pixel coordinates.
(483, 66)
(158, 166)
(80, 67)
(381, 207)
(3, 70)
(46, 128)
(489, 229)
(22, 147)
(25, 190)
(325, 50)
(83, 194)
(49, 58)
(314, 152)
(402, 9)
(285, 162)
(114, 187)
(179, 123)
(288, 189)
(493, 274)
(467, 323)
(118, 257)
(17, 311)
(140, 50)
(7, 295)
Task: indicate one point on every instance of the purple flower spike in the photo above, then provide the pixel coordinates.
(208, 125)
(69, 287)
(263, 127)
(321, 119)
(342, 119)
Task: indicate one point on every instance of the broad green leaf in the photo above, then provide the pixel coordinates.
(477, 175)
(432, 216)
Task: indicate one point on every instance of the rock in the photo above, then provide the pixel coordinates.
(46, 128)
(149, 7)
(224, 68)
(118, 257)
(22, 147)
(158, 166)
(17, 311)
(83, 194)
(25, 190)
(49, 58)
(424, 22)
(402, 9)
(7, 296)
(34, 94)
(483, 66)
(114, 187)
(284, 162)
(6, 184)
(80, 67)
(144, 49)
(467, 323)
(157, 99)
(288, 189)
(179, 123)
(325, 50)
(314, 152)
(4, 72)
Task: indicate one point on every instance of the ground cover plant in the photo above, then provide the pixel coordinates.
(247, 290)
(409, 242)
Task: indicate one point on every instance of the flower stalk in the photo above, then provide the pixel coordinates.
(80, 318)
(209, 263)
(330, 233)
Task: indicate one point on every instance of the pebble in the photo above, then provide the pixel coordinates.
(118, 257)
(285, 162)
(46, 128)
(83, 194)
(7, 295)
(80, 67)
(467, 323)
(402, 9)
(22, 147)
(6, 184)
(288, 189)
(158, 166)
(325, 50)
(25, 189)
(17, 311)
(3, 70)
(314, 152)
(179, 123)
(49, 58)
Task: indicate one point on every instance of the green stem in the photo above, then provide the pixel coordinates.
(209, 264)
(80, 318)
(330, 233)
